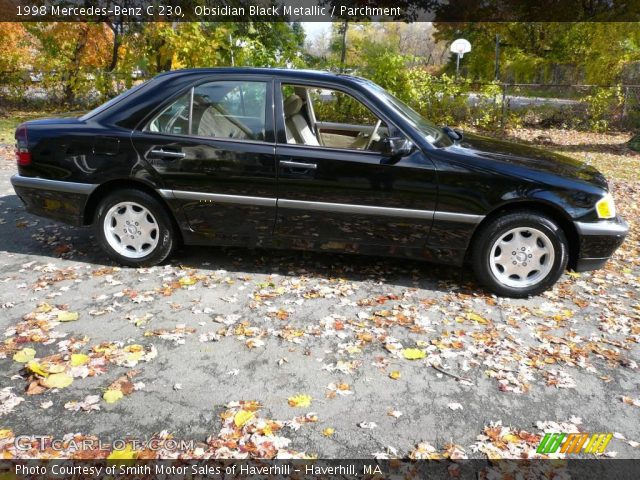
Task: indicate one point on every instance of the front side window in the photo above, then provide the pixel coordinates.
(222, 109)
(315, 116)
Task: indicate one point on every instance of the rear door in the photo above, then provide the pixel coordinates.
(343, 194)
(213, 146)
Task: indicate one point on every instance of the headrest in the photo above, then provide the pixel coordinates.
(292, 105)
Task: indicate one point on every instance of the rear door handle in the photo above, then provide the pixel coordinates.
(167, 154)
(288, 163)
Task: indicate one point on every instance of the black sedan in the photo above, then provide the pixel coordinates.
(314, 161)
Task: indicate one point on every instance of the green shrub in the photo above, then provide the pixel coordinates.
(602, 107)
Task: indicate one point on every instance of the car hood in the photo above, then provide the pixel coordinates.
(531, 158)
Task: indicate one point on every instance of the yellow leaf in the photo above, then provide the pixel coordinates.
(300, 401)
(477, 318)
(5, 433)
(327, 432)
(36, 368)
(413, 353)
(78, 359)
(44, 308)
(574, 274)
(395, 375)
(134, 356)
(56, 368)
(25, 355)
(57, 380)
(186, 281)
(112, 396)
(242, 417)
(511, 438)
(127, 453)
(67, 316)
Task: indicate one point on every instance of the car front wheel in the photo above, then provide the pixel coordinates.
(520, 254)
(134, 229)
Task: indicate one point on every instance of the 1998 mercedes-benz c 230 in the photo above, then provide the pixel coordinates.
(314, 161)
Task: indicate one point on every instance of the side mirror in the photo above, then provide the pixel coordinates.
(396, 147)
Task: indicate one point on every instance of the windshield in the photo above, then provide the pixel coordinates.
(114, 100)
(432, 133)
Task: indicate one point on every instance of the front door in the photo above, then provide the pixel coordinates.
(336, 190)
(214, 149)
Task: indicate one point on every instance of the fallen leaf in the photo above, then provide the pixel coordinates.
(127, 453)
(300, 401)
(112, 396)
(327, 432)
(25, 355)
(368, 425)
(477, 318)
(78, 359)
(67, 316)
(36, 368)
(413, 353)
(395, 375)
(186, 281)
(242, 417)
(57, 380)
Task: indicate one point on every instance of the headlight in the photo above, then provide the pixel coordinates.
(605, 207)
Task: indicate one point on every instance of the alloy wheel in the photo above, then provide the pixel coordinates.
(131, 229)
(521, 257)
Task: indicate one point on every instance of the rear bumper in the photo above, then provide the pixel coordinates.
(598, 241)
(54, 199)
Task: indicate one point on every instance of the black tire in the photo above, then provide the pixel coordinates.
(496, 229)
(163, 226)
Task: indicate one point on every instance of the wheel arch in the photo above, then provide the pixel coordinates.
(120, 184)
(553, 211)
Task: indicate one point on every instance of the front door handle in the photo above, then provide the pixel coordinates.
(167, 154)
(288, 163)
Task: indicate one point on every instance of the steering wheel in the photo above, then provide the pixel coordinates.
(373, 134)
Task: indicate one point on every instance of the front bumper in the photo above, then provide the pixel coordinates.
(598, 241)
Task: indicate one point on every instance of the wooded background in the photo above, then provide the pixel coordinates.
(582, 75)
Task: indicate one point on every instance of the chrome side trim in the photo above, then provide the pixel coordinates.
(56, 185)
(322, 206)
(166, 193)
(613, 228)
(458, 217)
(221, 198)
(358, 209)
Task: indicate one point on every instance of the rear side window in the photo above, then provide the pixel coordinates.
(116, 100)
(222, 109)
(174, 119)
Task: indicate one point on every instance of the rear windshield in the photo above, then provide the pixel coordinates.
(115, 100)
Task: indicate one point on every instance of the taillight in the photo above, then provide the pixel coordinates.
(23, 155)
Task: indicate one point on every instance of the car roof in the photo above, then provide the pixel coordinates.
(302, 74)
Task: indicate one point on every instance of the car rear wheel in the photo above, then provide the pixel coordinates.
(134, 229)
(520, 254)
